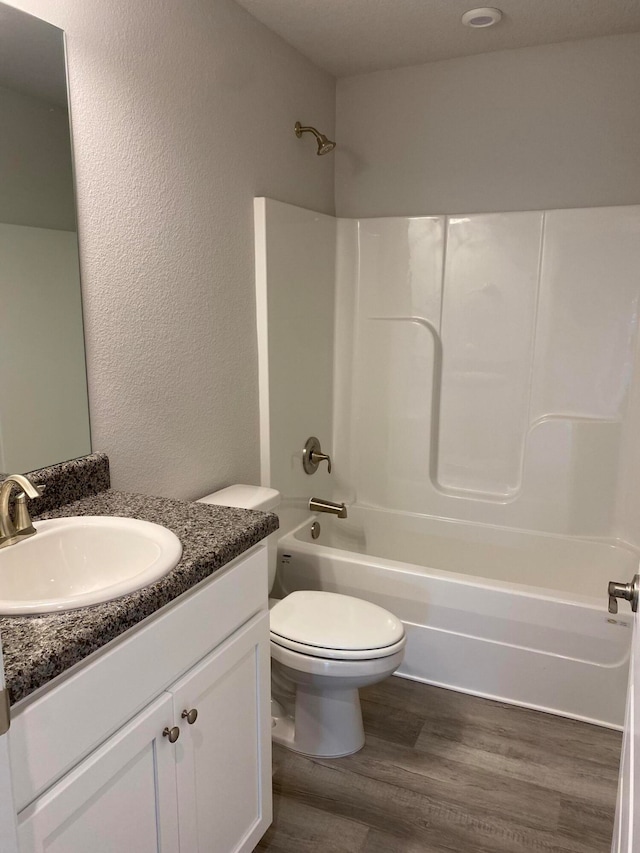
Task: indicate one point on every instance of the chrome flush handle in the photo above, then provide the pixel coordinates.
(629, 591)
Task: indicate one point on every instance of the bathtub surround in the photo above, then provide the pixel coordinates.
(295, 253)
(484, 365)
(169, 153)
(484, 398)
(492, 362)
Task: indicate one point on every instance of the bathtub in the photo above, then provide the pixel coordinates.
(505, 614)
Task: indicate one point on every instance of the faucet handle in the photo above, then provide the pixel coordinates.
(39, 487)
(22, 522)
(317, 458)
(312, 456)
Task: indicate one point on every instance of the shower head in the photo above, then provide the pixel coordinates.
(324, 145)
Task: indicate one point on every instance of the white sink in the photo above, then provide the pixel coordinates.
(77, 561)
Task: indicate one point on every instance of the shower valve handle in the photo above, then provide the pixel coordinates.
(312, 456)
(317, 458)
(629, 591)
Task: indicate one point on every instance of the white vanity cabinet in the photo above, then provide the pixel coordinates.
(122, 797)
(207, 792)
(223, 751)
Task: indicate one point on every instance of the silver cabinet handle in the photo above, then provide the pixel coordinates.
(629, 591)
(172, 733)
(190, 716)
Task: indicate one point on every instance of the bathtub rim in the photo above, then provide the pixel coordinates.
(459, 578)
(555, 670)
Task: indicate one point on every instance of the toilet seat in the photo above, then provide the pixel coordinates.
(335, 627)
(345, 670)
(338, 654)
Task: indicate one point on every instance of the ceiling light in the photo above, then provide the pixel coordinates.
(483, 17)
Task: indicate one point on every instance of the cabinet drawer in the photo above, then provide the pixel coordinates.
(52, 732)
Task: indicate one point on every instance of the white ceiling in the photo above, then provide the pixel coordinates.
(356, 36)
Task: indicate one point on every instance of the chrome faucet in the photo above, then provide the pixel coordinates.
(11, 533)
(320, 505)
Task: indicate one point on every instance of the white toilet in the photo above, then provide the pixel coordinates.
(324, 646)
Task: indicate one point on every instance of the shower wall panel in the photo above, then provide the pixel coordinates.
(295, 272)
(488, 323)
(397, 340)
(589, 289)
(491, 359)
(482, 368)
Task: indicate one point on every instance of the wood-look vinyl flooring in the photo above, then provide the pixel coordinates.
(442, 772)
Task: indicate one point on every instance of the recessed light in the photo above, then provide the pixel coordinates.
(483, 17)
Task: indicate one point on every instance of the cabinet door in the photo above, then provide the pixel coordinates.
(626, 832)
(8, 837)
(224, 757)
(121, 798)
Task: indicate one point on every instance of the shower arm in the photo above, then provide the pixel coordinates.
(299, 129)
(325, 145)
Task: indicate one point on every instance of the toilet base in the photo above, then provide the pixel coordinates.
(327, 724)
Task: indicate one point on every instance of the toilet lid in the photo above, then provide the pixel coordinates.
(326, 620)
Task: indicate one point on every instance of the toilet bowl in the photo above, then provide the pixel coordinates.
(328, 646)
(324, 647)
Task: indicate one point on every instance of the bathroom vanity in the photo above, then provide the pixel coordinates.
(160, 739)
(205, 660)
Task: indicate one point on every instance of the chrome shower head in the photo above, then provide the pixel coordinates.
(324, 145)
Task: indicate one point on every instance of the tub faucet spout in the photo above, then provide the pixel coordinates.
(321, 505)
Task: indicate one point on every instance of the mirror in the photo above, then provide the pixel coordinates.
(44, 413)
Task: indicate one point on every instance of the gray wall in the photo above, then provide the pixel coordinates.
(37, 183)
(182, 112)
(536, 128)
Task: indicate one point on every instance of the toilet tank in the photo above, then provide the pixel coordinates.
(251, 497)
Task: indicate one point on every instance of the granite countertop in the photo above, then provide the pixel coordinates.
(37, 648)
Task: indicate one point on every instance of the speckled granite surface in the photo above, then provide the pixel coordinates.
(37, 648)
(70, 481)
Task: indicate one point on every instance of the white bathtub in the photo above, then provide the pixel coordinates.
(510, 615)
